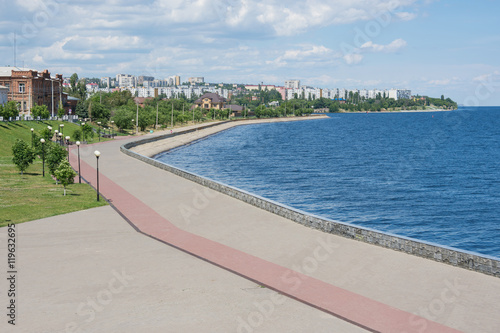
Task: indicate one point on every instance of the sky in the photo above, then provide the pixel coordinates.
(433, 47)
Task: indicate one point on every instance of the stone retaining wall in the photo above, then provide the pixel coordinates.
(468, 260)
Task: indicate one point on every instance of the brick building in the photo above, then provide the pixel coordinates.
(30, 87)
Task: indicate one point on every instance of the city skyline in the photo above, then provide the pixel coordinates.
(430, 47)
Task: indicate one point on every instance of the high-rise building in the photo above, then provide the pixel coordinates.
(292, 84)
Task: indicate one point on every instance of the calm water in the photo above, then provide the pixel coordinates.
(430, 176)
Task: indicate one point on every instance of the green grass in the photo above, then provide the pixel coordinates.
(30, 196)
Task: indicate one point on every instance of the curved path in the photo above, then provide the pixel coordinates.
(374, 288)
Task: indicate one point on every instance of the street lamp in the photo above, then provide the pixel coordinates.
(97, 153)
(79, 175)
(62, 128)
(43, 156)
(99, 124)
(112, 128)
(57, 134)
(61, 139)
(32, 139)
(67, 144)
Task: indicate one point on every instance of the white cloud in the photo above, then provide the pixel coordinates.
(307, 54)
(353, 58)
(406, 16)
(494, 76)
(442, 82)
(392, 47)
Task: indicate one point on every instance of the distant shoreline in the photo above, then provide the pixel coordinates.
(151, 149)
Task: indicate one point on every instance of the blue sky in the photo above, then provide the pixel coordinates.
(429, 46)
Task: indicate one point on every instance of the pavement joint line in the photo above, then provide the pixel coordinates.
(359, 310)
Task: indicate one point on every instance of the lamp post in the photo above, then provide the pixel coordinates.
(32, 142)
(79, 175)
(62, 128)
(97, 154)
(61, 139)
(43, 156)
(67, 144)
(83, 132)
(99, 124)
(112, 128)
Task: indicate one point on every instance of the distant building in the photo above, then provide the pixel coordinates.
(142, 78)
(106, 81)
(210, 100)
(28, 87)
(125, 80)
(261, 87)
(398, 94)
(292, 84)
(194, 80)
(174, 80)
(4, 93)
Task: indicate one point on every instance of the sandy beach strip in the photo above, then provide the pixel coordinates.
(151, 149)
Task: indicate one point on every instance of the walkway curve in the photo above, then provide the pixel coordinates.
(359, 310)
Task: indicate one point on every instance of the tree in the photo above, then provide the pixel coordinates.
(23, 155)
(87, 132)
(65, 174)
(46, 134)
(53, 158)
(10, 110)
(60, 112)
(123, 118)
(99, 111)
(40, 111)
(77, 134)
(73, 80)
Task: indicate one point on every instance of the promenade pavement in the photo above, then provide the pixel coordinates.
(355, 278)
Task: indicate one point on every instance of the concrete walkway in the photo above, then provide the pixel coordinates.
(373, 287)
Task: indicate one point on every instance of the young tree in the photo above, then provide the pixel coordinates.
(23, 155)
(10, 109)
(60, 112)
(77, 134)
(53, 158)
(65, 174)
(40, 111)
(87, 132)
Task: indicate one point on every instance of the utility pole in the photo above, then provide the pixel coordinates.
(172, 119)
(156, 127)
(137, 120)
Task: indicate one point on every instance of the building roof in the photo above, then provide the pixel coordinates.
(214, 97)
(234, 107)
(7, 70)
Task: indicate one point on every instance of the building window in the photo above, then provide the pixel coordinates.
(22, 88)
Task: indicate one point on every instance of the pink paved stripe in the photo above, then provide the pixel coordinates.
(359, 310)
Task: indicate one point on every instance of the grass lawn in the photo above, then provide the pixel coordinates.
(31, 196)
